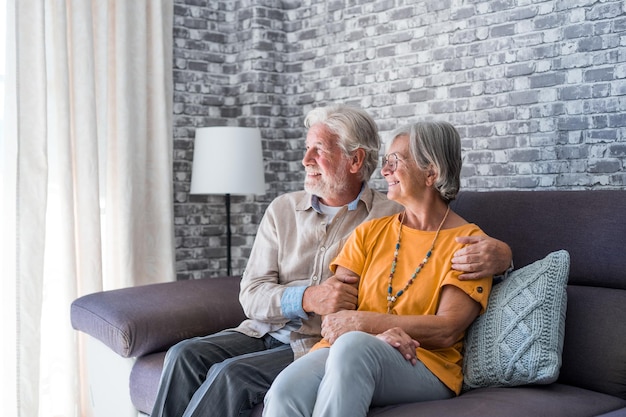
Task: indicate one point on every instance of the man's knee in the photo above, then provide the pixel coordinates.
(232, 371)
(195, 354)
(180, 350)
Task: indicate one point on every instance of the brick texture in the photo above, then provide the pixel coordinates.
(537, 89)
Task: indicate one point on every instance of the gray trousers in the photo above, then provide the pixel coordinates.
(223, 375)
(357, 372)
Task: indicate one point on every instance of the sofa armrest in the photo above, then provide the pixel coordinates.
(150, 318)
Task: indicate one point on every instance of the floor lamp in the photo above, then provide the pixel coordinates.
(227, 160)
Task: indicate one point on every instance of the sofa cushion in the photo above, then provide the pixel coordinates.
(616, 413)
(594, 353)
(554, 400)
(519, 339)
(588, 224)
(144, 381)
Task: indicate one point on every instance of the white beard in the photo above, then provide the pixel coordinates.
(326, 186)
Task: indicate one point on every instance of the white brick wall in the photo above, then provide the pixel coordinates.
(537, 89)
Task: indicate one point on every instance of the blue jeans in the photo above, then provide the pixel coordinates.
(357, 372)
(224, 375)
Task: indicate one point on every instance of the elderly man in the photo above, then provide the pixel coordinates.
(287, 285)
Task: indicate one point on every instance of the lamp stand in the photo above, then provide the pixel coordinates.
(213, 172)
(228, 234)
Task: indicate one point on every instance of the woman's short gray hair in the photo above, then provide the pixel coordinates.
(354, 128)
(436, 144)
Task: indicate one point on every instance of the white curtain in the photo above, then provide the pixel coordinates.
(86, 180)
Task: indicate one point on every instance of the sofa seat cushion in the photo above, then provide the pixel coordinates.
(615, 413)
(554, 400)
(144, 381)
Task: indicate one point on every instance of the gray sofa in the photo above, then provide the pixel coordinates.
(141, 323)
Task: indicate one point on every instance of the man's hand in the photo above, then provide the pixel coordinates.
(482, 257)
(337, 293)
(400, 340)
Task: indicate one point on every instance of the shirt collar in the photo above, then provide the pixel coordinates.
(315, 201)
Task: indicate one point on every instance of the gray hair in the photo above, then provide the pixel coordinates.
(354, 128)
(436, 143)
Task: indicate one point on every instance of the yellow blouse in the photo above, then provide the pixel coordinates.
(369, 251)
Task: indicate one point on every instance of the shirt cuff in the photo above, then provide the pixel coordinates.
(291, 303)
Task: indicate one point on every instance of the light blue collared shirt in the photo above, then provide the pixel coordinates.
(291, 300)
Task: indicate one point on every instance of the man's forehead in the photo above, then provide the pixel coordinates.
(319, 134)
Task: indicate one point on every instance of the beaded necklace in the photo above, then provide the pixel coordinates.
(391, 299)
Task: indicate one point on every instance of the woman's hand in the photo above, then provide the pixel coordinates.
(400, 340)
(336, 324)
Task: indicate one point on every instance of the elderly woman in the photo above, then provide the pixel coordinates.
(404, 342)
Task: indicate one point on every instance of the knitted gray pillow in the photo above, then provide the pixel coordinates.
(519, 338)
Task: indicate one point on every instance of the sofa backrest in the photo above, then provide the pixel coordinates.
(591, 226)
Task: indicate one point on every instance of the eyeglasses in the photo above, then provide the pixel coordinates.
(391, 161)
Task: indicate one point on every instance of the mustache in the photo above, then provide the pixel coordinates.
(310, 170)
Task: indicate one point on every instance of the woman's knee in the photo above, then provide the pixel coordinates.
(354, 342)
(355, 349)
(352, 339)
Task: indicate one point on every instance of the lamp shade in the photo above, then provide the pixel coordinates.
(227, 160)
